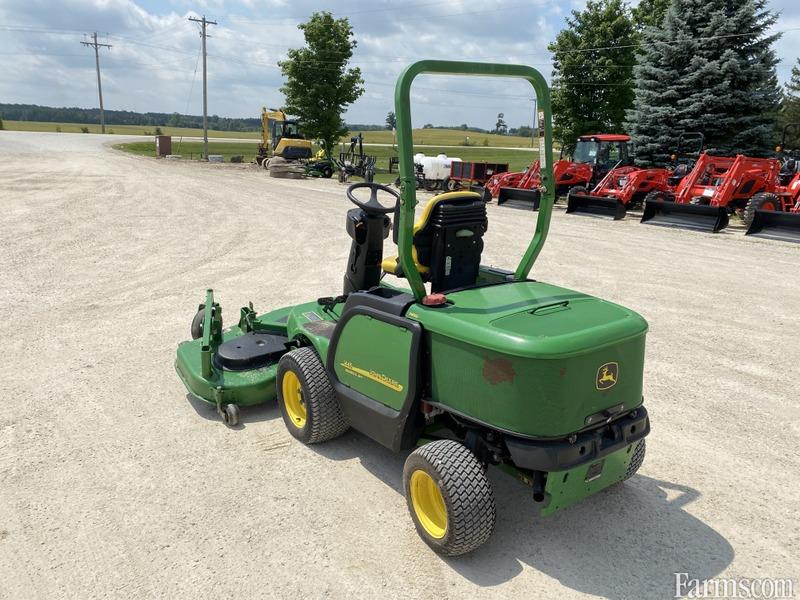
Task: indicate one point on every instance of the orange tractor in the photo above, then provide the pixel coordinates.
(776, 214)
(715, 187)
(625, 186)
(592, 158)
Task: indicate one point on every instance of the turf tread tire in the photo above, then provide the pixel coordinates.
(636, 461)
(466, 490)
(324, 418)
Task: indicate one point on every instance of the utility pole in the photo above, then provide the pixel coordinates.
(204, 35)
(97, 47)
(533, 133)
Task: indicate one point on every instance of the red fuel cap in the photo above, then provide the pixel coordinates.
(434, 299)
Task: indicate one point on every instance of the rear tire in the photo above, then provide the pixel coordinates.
(762, 201)
(449, 497)
(637, 460)
(307, 399)
(327, 172)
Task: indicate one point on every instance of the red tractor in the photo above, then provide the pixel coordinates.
(591, 160)
(626, 186)
(715, 187)
(777, 214)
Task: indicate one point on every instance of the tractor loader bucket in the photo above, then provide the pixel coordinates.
(521, 197)
(775, 225)
(692, 216)
(479, 189)
(596, 206)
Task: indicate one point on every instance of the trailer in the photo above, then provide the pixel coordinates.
(464, 174)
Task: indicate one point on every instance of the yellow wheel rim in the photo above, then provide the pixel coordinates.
(293, 399)
(428, 504)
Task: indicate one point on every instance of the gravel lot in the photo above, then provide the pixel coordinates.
(114, 484)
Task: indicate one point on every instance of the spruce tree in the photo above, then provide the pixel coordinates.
(592, 71)
(697, 72)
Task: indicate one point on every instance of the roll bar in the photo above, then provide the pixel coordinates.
(405, 146)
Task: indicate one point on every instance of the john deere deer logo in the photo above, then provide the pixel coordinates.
(607, 376)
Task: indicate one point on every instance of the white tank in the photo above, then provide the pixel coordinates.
(437, 167)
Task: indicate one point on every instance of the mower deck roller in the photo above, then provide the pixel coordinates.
(693, 216)
(521, 197)
(596, 205)
(775, 225)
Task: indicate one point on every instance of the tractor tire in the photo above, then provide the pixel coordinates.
(636, 461)
(306, 398)
(431, 185)
(449, 497)
(656, 196)
(578, 189)
(762, 201)
(327, 172)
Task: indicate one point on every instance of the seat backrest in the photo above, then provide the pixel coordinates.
(448, 239)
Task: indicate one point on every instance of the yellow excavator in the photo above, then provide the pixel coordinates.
(281, 137)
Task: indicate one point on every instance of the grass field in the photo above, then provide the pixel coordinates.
(435, 137)
(517, 159)
(122, 129)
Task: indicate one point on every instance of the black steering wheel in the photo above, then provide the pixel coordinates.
(372, 205)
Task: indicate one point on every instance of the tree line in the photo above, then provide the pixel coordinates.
(49, 114)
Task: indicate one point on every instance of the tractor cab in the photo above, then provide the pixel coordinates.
(790, 165)
(603, 152)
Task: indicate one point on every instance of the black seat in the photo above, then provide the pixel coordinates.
(448, 241)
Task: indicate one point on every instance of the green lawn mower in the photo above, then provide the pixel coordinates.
(469, 366)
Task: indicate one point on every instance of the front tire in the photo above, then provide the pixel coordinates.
(449, 497)
(657, 196)
(307, 399)
(762, 201)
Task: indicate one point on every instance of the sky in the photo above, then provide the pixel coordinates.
(153, 64)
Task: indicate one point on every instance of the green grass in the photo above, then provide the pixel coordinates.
(517, 159)
(123, 129)
(450, 137)
(433, 137)
(194, 150)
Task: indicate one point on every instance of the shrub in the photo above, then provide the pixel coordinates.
(158, 131)
(84, 130)
(58, 129)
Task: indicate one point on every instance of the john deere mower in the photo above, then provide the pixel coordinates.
(462, 365)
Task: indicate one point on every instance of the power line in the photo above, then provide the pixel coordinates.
(94, 44)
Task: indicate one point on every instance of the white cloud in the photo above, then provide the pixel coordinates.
(155, 48)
